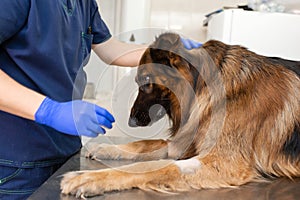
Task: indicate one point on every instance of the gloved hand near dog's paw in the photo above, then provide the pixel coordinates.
(74, 117)
(190, 44)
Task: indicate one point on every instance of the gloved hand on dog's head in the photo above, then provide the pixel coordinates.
(77, 117)
(190, 44)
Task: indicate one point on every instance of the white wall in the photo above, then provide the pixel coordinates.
(123, 17)
(186, 16)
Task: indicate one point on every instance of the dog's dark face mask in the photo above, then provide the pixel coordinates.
(151, 104)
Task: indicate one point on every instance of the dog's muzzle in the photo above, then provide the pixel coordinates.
(147, 118)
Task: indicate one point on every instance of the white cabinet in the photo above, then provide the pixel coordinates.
(270, 34)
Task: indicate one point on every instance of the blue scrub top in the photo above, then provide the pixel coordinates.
(44, 45)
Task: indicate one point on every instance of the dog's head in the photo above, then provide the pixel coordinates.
(162, 78)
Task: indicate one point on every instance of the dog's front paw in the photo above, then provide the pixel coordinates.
(103, 152)
(81, 184)
(84, 184)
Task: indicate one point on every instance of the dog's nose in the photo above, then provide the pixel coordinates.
(132, 122)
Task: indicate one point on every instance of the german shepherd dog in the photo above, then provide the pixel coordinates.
(235, 118)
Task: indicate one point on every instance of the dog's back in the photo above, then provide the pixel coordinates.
(289, 64)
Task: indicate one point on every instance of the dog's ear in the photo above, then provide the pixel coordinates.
(169, 50)
(173, 47)
(168, 41)
(166, 47)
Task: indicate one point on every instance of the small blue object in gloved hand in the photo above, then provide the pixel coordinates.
(74, 117)
(190, 44)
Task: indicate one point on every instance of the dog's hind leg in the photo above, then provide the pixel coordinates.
(139, 151)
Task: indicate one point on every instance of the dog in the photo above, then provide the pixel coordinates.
(235, 119)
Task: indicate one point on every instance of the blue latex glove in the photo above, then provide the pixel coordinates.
(190, 44)
(74, 117)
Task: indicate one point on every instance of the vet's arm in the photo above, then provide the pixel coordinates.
(17, 99)
(115, 52)
(72, 117)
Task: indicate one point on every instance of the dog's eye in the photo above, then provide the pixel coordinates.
(145, 84)
(144, 80)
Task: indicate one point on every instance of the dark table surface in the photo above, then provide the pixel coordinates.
(278, 189)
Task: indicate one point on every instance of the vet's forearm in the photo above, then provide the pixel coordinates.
(17, 99)
(114, 52)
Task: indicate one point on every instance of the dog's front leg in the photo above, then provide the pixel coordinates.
(162, 175)
(139, 151)
(212, 171)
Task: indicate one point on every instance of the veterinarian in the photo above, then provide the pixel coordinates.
(44, 46)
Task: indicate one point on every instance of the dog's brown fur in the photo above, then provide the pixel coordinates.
(235, 119)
